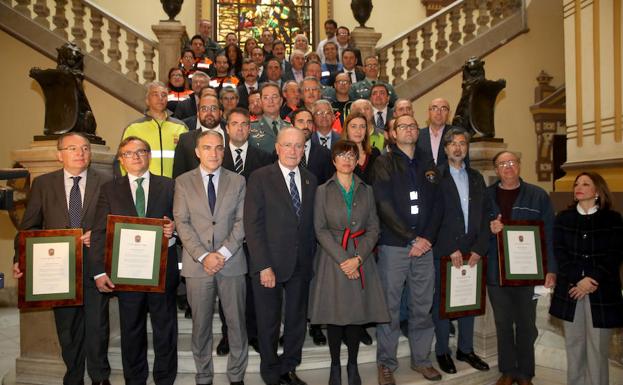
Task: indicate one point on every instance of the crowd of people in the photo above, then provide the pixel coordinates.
(302, 191)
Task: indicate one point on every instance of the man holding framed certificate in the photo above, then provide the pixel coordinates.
(464, 230)
(66, 199)
(143, 195)
(514, 307)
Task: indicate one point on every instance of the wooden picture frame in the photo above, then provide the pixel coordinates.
(524, 242)
(477, 307)
(135, 238)
(43, 254)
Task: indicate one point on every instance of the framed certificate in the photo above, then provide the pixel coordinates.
(463, 289)
(522, 253)
(136, 253)
(52, 264)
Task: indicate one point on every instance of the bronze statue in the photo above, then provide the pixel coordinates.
(172, 8)
(361, 11)
(475, 111)
(66, 105)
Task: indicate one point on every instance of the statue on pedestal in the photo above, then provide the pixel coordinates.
(66, 105)
(475, 111)
(361, 11)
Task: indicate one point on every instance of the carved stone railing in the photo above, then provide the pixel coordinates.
(118, 58)
(463, 29)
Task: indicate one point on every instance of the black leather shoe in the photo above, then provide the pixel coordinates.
(236, 383)
(472, 359)
(366, 338)
(291, 378)
(446, 364)
(335, 375)
(255, 344)
(222, 349)
(353, 374)
(103, 382)
(316, 334)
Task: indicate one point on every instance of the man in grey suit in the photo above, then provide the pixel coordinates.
(208, 207)
(63, 199)
(264, 131)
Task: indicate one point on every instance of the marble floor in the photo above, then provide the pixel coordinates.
(548, 350)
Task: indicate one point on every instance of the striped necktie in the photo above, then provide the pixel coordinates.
(238, 165)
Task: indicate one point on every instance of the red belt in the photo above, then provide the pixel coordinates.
(350, 235)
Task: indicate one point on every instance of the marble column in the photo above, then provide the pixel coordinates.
(169, 34)
(365, 40)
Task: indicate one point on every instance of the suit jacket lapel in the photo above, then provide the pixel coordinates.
(306, 190)
(60, 195)
(153, 195)
(90, 189)
(277, 180)
(223, 187)
(199, 189)
(125, 196)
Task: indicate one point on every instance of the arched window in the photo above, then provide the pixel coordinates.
(249, 18)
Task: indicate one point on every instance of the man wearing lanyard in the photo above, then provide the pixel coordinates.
(405, 191)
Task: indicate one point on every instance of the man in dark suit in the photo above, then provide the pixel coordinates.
(349, 62)
(243, 158)
(429, 143)
(140, 194)
(250, 84)
(208, 209)
(316, 158)
(464, 229)
(209, 116)
(278, 223)
(63, 199)
(188, 107)
(323, 122)
(379, 97)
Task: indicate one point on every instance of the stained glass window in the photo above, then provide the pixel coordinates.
(249, 18)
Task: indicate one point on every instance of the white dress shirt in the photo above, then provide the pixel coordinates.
(297, 179)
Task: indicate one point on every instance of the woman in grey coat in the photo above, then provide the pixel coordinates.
(345, 291)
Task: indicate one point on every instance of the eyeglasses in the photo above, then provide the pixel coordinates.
(439, 108)
(208, 108)
(73, 149)
(310, 89)
(372, 65)
(508, 163)
(323, 113)
(347, 156)
(342, 82)
(404, 127)
(131, 154)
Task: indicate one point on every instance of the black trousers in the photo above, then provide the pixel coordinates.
(514, 311)
(268, 304)
(83, 333)
(162, 309)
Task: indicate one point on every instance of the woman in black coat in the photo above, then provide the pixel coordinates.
(587, 296)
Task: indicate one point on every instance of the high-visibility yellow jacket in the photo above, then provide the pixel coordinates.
(162, 136)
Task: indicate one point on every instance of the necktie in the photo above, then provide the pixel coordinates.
(211, 193)
(140, 197)
(350, 75)
(380, 123)
(251, 89)
(294, 194)
(303, 162)
(275, 128)
(75, 203)
(324, 141)
(238, 165)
